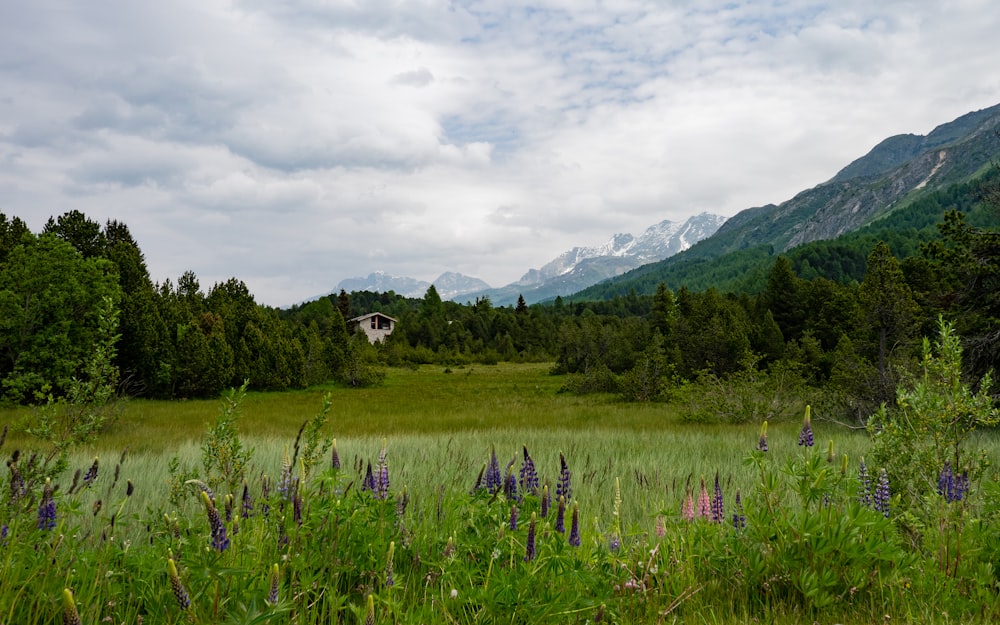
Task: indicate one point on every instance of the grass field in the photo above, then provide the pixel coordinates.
(631, 466)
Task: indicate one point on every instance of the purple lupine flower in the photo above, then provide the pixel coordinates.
(806, 433)
(529, 545)
(370, 611)
(265, 495)
(4, 532)
(545, 501)
(381, 488)
(946, 481)
(494, 481)
(369, 482)
(529, 476)
(335, 457)
(203, 487)
(247, 508)
(762, 441)
(513, 518)
(47, 508)
(574, 527)
(882, 495)
(220, 542)
(717, 511)
(183, 600)
(614, 542)
(274, 586)
(961, 486)
(91, 474)
(510, 487)
(864, 486)
(739, 519)
(563, 486)
(228, 508)
(561, 516)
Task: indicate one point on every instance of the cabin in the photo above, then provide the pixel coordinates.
(376, 326)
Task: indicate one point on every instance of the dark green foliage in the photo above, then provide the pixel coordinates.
(50, 307)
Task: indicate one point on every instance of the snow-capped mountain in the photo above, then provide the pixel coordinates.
(656, 243)
(571, 271)
(449, 285)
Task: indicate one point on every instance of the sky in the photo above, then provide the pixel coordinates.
(294, 143)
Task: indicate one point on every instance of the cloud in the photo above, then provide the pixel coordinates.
(295, 143)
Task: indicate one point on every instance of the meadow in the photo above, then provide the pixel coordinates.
(436, 498)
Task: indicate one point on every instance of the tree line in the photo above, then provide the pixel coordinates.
(854, 336)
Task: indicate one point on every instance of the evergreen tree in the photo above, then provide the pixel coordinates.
(889, 314)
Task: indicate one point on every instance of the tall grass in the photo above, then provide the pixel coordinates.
(439, 429)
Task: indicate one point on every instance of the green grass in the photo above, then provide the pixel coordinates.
(439, 429)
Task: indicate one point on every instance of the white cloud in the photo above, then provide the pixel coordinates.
(293, 144)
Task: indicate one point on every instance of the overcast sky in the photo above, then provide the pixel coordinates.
(295, 143)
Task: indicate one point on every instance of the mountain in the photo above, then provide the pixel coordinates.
(894, 174)
(449, 285)
(580, 267)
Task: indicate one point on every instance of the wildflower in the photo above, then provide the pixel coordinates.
(389, 581)
(229, 508)
(449, 547)
(247, 508)
(717, 513)
(402, 500)
(285, 484)
(561, 516)
(661, 527)
(453, 594)
(493, 478)
(529, 545)
(381, 486)
(265, 494)
(370, 611)
(220, 541)
(91, 474)
(70, 614)
(762, 442)
(529, 476)
(704, 503)
(369, 482)
(129, 488)
(806, 434)
(882, 495)
(47, 508)
(335, 457)
(183, 600)
(510, 485)
(203, 487)
(864, 486)
(513, 518)
(574, 528)
(614, 542)
(563, 487)
(739, 519)
(687, 509)
(297, 505)
(272, 593)
(545, 501)
(479, 480)
(946, 481)
(4, 532)
(17, 488)
(830, 456)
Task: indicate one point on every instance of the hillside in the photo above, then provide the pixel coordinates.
(896, 174)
